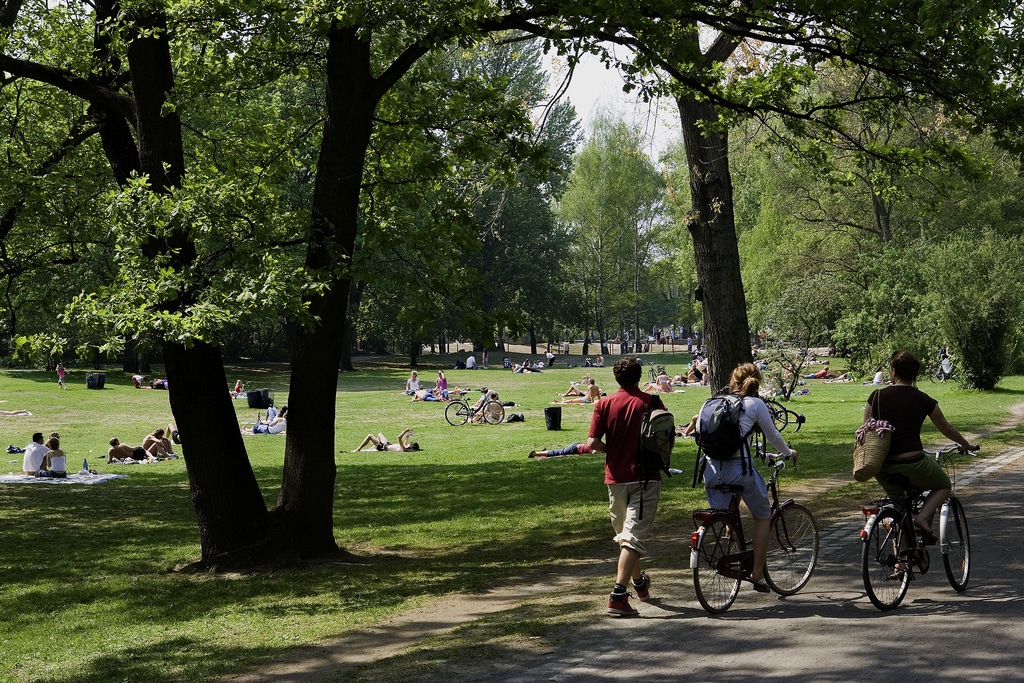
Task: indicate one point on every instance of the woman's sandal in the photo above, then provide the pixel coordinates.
(926, 535)
(761, 586)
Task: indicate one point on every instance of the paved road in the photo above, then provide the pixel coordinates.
(828, 632)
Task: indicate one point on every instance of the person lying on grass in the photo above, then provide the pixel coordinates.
(277, 425)
(121, 451)
(571, 449)
(381, 443)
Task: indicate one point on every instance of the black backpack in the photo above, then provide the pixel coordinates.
(718, 428)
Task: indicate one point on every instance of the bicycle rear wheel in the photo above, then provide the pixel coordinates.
(885, 586)
(715, 592)
(494, 413)
(457, 413)
(780, 416)
(792, 549)
(955, 542)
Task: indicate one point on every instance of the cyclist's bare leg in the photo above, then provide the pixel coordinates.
(762, 527)
(931, 503)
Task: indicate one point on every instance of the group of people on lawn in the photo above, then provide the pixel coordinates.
(45, 457)
(157, 445)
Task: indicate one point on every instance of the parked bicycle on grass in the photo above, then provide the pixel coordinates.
(488, 410)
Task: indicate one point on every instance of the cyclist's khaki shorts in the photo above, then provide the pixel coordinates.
(624, 505)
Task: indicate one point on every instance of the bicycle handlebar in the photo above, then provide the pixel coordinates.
(955, 447)
(778, 460)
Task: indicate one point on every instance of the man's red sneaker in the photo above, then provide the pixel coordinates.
(618, 606)
(643, 589)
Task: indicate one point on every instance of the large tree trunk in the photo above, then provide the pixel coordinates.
(305, 508)
(229, 507)
(711, 223)
(230, 510)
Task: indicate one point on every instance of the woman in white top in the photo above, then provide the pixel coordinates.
(738, 470)
(55, 460)
(275, 426)
(412, 385)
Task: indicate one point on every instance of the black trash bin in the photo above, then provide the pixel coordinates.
(95, 380)
(260, 398)
(553, 417)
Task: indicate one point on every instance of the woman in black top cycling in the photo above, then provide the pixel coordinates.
(905, 407)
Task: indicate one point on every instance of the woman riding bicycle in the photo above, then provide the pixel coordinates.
(905, 406)
(739, 471)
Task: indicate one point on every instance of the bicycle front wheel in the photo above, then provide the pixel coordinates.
(792, 549)
(885, 585)
(715, 592)
(955, 542)
(494, 414)
(457, 413)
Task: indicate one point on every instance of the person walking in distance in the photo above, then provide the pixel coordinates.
(615, 431)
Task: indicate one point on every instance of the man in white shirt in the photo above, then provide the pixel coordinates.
(34, 452)
(471, 362)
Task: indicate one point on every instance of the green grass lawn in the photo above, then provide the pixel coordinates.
(88, 584)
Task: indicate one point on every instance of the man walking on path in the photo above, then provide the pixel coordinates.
(615, 431)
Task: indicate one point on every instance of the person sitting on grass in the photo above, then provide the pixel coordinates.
(381, 443)
(574, 387)
(661, 384)
(877, 380)
(158, 445)
(488, 405)
(571, 449)
(592, 395)
(121, 451)
(55, 460)
(412, 385)
(32, 462)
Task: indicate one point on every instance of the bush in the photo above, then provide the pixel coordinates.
(975, 293)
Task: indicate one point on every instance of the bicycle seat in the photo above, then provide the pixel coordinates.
(903, 483)
(729, 488)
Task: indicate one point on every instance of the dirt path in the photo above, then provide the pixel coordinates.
(329, 662)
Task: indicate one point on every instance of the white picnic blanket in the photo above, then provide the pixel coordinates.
(76, 478)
